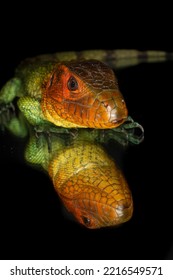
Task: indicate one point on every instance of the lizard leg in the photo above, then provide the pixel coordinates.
(31, 109)
(8, 118)
(10, 90)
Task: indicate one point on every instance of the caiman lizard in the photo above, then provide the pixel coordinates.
(77, 90)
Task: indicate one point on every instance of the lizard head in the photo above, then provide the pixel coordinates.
(83, 94)
(95, 208)
(91, 186)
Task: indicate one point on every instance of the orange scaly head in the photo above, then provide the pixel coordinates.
(91, 186)
(83, 94)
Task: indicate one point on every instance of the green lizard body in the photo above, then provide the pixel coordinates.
(39, 86)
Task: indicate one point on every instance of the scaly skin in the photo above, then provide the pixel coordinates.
(88, 181)
(41, 85)
(67, 94)
(95, 102)
(76, 90)
(95, 192)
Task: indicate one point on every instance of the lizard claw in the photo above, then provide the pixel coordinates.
(129, 132)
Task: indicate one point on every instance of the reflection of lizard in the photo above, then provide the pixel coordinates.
(88, 181)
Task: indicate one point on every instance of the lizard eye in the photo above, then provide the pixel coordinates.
(72, 84)
(86, 221)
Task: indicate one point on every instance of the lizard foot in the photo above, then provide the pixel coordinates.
(129, 132)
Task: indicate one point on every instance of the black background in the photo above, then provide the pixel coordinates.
(33, 224)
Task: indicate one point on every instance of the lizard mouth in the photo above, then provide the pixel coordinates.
(120, 121)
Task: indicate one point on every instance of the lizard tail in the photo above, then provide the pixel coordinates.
(118, 59)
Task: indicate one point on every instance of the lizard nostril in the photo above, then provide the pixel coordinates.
(105, 104)
(123, 102)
